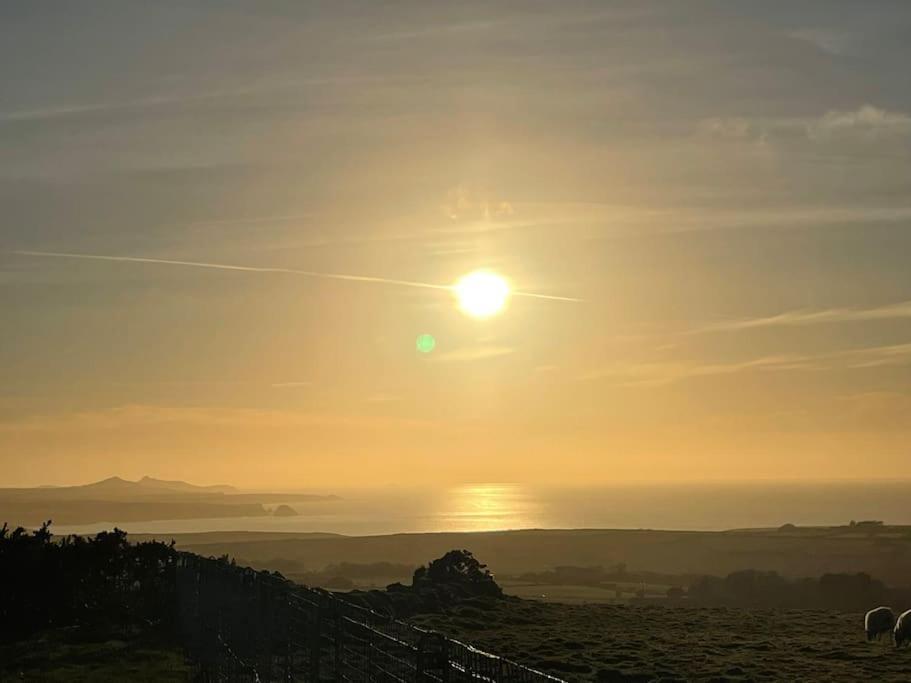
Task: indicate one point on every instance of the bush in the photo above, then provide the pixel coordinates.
(458, 569)
(105, 578)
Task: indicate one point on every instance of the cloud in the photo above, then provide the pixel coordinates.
(670, 372)
(868, 123)
(135, 416)
(69, 110)
(897, 354)
(291, 385)
(472, 353)
(801, 318)
(832, 41)
(63, 111)
(597, 220)
(464, 203)
(865, 125)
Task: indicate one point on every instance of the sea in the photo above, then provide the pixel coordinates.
(710, 506)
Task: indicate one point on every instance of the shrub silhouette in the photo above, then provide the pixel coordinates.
(77, 580)
(448, 580)
(457, 569)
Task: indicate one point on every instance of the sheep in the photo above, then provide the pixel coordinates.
(878, 621)
(902, 632)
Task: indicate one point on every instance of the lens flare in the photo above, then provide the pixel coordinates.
(425, 343)
(482, 294)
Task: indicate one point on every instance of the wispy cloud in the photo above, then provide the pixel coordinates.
(877, 356)
(799, 318)
(269, 269)
(868, 121)
(472, 353)
(465, 203)
(149, 415)
(69, 110)
(609, 218)
(62, 111)
(669, 372)
(866, 124)
(836, 42)
(252, 220)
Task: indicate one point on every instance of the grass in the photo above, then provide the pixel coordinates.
(583, 594)
(602, 642)
(93, 655)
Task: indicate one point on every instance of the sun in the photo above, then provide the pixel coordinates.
(481, 294)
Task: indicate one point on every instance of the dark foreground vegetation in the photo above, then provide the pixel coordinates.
(76, 581)
(87, 609)
(100, 654)
(751, 588)
(103, 609)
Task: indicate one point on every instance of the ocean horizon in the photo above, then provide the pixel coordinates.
(710, 506)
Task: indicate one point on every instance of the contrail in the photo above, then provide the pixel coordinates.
(267, 269)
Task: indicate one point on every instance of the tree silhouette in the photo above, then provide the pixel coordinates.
(47, 583)
(458, 569)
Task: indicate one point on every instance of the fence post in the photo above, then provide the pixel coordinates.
(420, 660)
(446, 661)
(315, 637)
(338, 628)
(432, 656)
(286, 637)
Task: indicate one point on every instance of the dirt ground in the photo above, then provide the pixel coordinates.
(657, 643)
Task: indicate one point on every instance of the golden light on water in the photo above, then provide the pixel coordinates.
(482, 293)
(488, 507)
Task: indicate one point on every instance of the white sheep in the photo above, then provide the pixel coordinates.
(902, 632)
(878, 621)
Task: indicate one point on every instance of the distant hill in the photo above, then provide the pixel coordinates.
(115, 488)
(149, 485)
(813, 553)
(116, 500)
(285, 511)
(149, 482)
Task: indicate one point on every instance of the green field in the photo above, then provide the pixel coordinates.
(648, 643)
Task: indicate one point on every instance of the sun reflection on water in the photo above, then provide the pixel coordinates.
(488, 507)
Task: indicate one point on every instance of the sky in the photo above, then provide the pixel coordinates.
(717, 194)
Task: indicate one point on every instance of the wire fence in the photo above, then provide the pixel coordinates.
(247, 626)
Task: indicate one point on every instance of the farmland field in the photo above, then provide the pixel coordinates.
(644, 643)
(613, 593)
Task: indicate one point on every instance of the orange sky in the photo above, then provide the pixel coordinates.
(724, 191)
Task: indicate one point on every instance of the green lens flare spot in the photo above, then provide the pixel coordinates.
(425, 343)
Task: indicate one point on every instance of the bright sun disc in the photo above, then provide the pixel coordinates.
(481, 294)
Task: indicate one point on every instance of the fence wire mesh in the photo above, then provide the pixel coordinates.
(243, 626)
